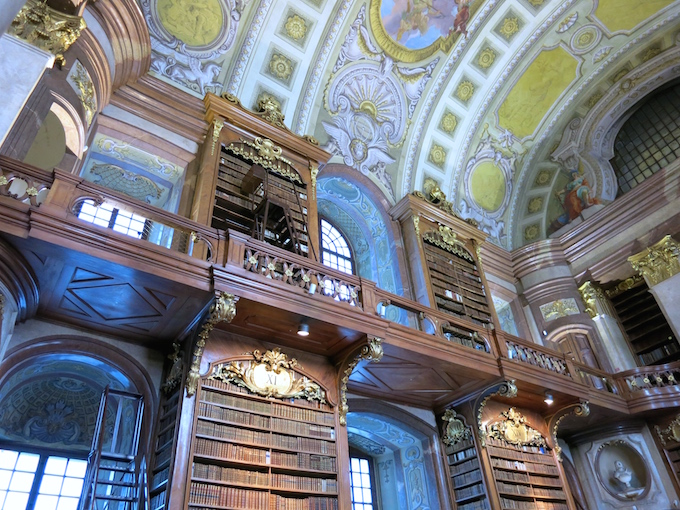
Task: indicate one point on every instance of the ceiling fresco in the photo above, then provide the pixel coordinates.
(480, 96)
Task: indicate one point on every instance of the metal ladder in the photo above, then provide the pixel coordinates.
(116, 474)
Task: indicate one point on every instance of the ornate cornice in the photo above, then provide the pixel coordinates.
(581, 410)
(223, 310)
(513, 429)
(47, 28)
(625, 285)
(373, 352)
(658, 262)
(447, 239)
(505, 389)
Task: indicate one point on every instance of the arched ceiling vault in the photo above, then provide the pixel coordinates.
(474, 94)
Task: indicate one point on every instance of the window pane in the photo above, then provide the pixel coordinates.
(335, 253)
(56, 466)
(46, 502)
(76, 468)
(16, 501)
(21, 482)
(362, 497)
(8, 459)
(27, 462)
(51, 484)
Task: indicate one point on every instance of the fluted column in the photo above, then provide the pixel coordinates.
(659, 265)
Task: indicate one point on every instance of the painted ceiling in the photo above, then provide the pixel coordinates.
(475, 95)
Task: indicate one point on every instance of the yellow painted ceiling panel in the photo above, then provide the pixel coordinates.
(536, 91)
(194, 22)
(627, 14)
(487, 186)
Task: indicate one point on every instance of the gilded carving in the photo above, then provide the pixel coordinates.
(281, 67)
(416, 224)
(175, 372)
(437, 155)
(559, 308)
(447, 239)
(486, 58)
(509, 27)
(658, 262)
(223, 310)
(454, 428)
(82, 84)
(513, 429)
(47, 28)
(433, 194)
(270, 374)
(580, 410)
(506, 389)
(448, 123)
(372, 352)
(591, 294)
(313, 172)
(670, 433)
(465, 90)
(296, 28)
(625, 285)
(267, 154)
(270, 111)
(218, 124)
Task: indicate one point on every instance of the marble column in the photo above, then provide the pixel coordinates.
(660, 266)
(22, 67)
(603, 314)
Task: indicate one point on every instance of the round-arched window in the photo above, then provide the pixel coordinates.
(335, 252)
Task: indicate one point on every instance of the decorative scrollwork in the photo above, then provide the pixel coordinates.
(270, 111)
(581, 410)
(218, 124)
(625, 285)
(313, 172)
(223, 310)
(269, 374)
(455, 429)
(448, 240)
(590, 293)
(175, 373)
(373, 352)
(670, 433)
(267, 154)
(513, 429)
(506, 389)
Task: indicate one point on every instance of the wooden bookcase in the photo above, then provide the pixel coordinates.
(164, 447)
(469, 491)
(456, 284)
(253, 452)
(649, 335)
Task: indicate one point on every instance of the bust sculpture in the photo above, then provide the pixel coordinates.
(622, 474)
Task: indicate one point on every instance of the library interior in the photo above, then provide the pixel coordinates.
(340, 255)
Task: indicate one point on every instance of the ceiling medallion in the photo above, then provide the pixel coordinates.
(296, 27)
(406, 30)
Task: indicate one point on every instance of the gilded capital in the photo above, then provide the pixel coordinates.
(372, 351)
(658, 262)
(47, 28)
(594, 299)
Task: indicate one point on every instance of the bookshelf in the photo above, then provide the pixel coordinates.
(164, 443)
(649, 335)
(525, 471)
(469, 491)
(456, 283)
(252, 452)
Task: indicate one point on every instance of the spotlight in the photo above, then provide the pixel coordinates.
(303, 330)
(548, 398)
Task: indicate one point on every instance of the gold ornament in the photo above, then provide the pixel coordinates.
(296, 28)
(437, 155)
(486, 58)
(509, 27)
(535, 204)
(448, 123)
(531, 232)
(372, 352)
(280, 67)
(465, 90)
(658, 262)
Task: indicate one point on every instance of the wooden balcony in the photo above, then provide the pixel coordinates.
(154, 286)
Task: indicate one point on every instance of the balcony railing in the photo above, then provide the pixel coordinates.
(23, 182)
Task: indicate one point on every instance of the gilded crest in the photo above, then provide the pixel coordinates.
(454, 428)
(513, 429)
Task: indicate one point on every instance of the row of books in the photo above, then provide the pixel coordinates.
(160, 477)
(232, 433)
(312, 404)
(509, 476)
(296, 413)
(464, 467)
(216, 495)
(541, 480)
(461, 445)
(230, 451)
(480, 504)
(304, 461)
(303, 443)
(314, 503)
(220, 413)
(468, 492)
(522, 490)
(525, 466)
(514, 504)
(523, 448)
(463, 454)
(304, 483)
(549, 493)
(303, 429)
(515, 455)
(233, 475)
(234, 401)
(472, 476)
(158, 501)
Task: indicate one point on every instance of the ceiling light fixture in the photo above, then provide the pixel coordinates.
(548, 398)
(303, 330)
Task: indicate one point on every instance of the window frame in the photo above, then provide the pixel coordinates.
(39, 473)
(350, 259)
(375, 490)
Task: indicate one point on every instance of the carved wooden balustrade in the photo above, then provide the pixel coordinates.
(23, 182)
(651, 377)
(522, 351)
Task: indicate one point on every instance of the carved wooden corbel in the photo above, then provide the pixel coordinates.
(223, 310)
(454, 429)
(505, 389)
(218, 124)
(371, 351)
(582, 409)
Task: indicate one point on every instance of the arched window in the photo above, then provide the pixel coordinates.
(335, 250)
(649, 140)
